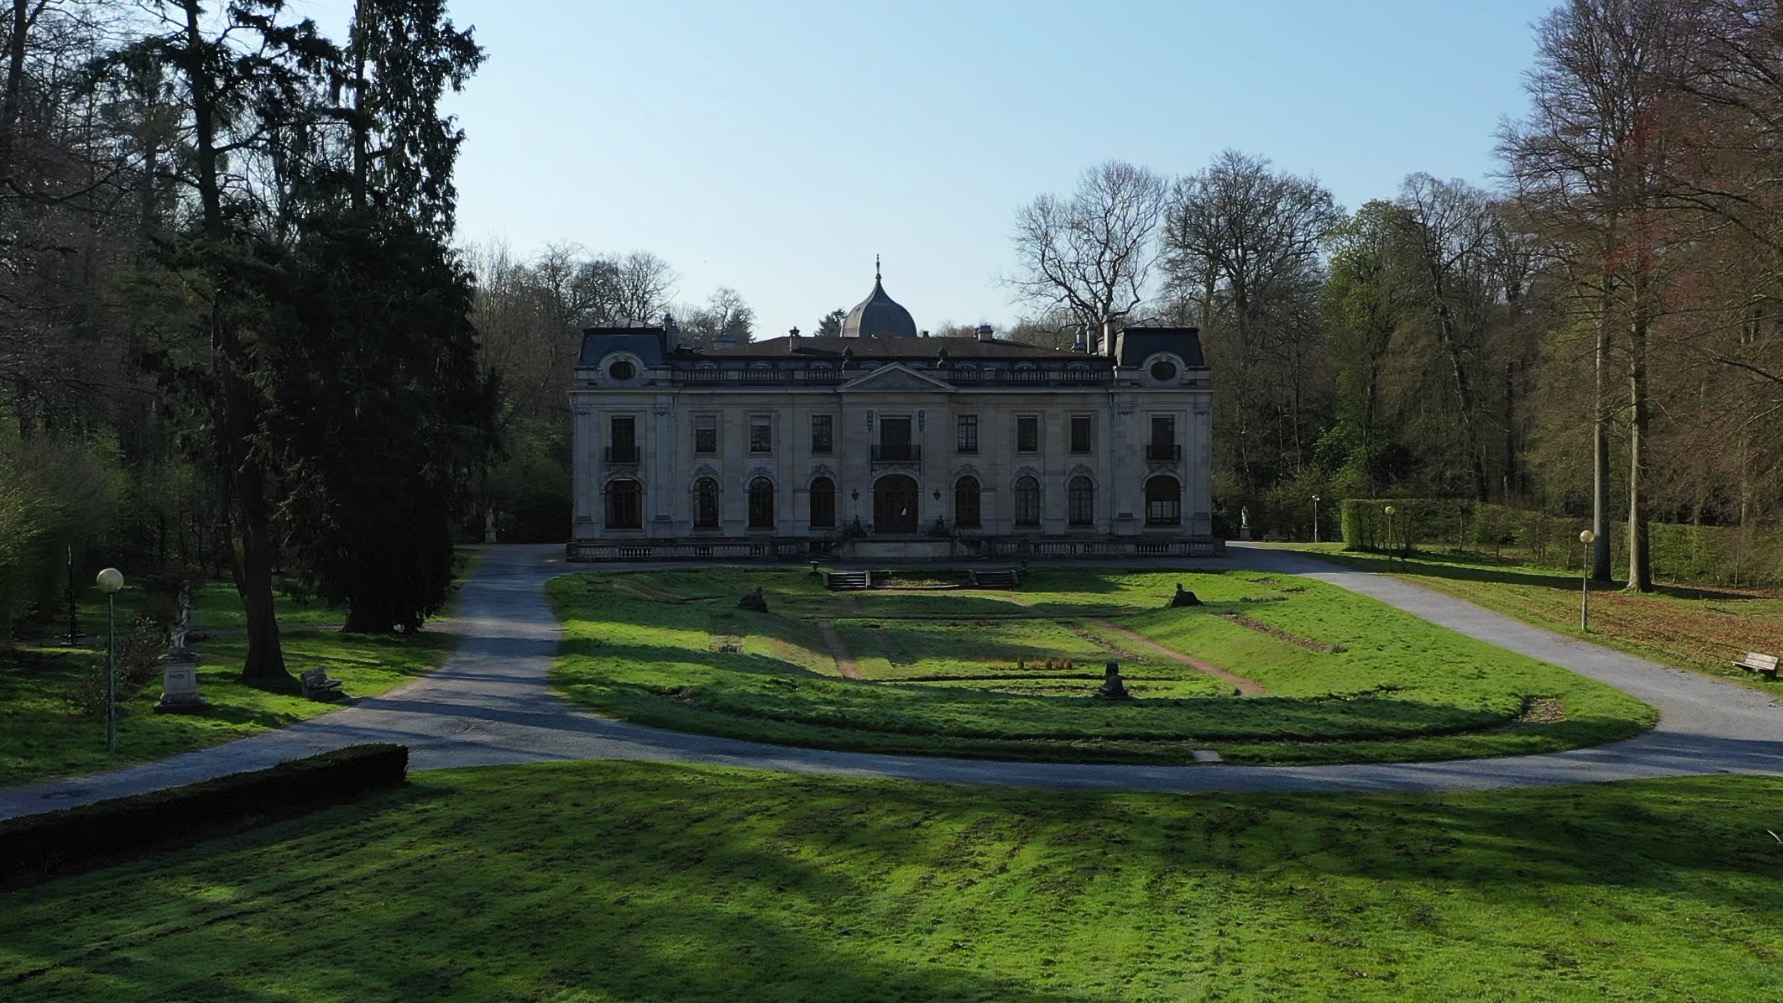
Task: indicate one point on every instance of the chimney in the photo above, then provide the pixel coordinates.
(984, 333)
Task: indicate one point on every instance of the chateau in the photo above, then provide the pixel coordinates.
(884, 443)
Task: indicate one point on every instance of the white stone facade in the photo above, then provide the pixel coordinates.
(884, 447)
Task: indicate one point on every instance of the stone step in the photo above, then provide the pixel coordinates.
(847, 581)
(995, 579)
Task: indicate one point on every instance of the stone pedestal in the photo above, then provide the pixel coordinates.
(179, 686)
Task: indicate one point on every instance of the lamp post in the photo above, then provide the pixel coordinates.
(1389, 511)
(1315, 518)
(1587, 538)
(110, 581)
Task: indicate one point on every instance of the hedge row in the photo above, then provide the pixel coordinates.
(34, 848)
(1723, 555)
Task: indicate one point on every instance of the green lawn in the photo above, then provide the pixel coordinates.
(1698, 628)
(1347, 678)
(631, 882)
(215, 606)
(40, 739)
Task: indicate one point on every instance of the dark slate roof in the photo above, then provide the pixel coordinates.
(878, 314)
(1135, 344)
(889, 348)
(646, 343)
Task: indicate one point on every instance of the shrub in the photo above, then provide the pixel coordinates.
(139, 664)
(36, 847)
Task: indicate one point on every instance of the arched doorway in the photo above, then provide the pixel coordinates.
(894, 504)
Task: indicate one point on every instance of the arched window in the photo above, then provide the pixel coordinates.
(1027, 501)
(965, 503)
(1163, 502)
(625, 505)
(761, 503)
(823, 503)
(705, 503)
(1080, 498)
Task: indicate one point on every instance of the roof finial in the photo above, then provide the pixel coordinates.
(875, 268)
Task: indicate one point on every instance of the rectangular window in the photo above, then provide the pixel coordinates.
(895, 445)
(761, 434)
(966, 438)
(823, 436)
(1027, 433)
(1082, 441)
(1163, 447)
(705, 434)
(623, 439)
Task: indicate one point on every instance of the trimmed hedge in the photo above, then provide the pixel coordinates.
(34, 848)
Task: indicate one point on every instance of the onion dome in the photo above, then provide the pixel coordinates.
(878, 315)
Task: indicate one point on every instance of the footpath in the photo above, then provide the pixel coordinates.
(490, 704)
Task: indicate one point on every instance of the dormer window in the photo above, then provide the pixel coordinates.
(621, 370)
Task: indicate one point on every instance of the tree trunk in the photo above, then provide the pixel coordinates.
(234, 413)
(1640, 562)
(1600, 455)
(1464, 390)
(11, 103)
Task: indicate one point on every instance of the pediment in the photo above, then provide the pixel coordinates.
(898, 377)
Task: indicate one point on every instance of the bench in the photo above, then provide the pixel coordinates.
(1764, 665)
(317, 685)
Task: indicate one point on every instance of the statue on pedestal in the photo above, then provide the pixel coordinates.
(1184, 597)
(179, 667)
(1113, 686)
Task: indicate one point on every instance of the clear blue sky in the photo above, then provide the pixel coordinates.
(775, 147)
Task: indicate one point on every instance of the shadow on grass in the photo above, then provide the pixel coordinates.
(645, 882)
(1441, 566)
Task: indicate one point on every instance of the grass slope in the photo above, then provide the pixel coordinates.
(40, 739)
(1702, 629)
(669, 648)
(631, 882)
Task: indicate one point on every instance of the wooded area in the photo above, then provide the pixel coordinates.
(235, 336)
(1596, 336)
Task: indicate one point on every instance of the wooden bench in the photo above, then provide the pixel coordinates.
(1764, 665)
(317, 685)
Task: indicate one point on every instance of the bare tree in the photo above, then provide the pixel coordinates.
(725, 315)
(1241, 243)
(1610, 79)
(1445, 231)
(643, 284)
(1091, 254)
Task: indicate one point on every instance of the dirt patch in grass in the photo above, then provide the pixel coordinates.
(846, 666)
(1244, 687)
(1286, 635)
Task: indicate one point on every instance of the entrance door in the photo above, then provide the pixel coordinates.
(894, 504)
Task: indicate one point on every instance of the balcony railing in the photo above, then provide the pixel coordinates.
(1163, 452)
(831, 377)
(897, 452)
(624, 455)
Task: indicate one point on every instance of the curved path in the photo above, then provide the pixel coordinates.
(489, 704)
